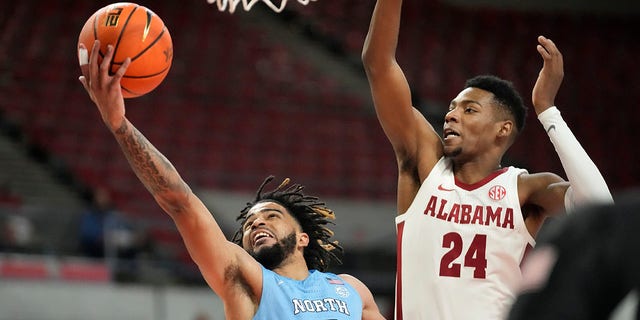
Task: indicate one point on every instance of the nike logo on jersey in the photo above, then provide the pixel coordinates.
(552, 127)
(442, 188)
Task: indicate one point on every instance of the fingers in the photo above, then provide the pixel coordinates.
(83, 55)
(547, 48)
(547, 43)
(83, 80)
(121, 71)
(106, 61)
(543, 52)
(93, 62)
(83, 61)
(542, 47)
(105, 66)
(96, 75)
(86, 62)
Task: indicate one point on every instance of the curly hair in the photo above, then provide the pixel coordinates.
(312, 215)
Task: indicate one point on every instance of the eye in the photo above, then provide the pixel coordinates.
(273, 215)
(247, 224)
(468, 110)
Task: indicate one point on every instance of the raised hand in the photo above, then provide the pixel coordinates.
(550, 77)
(102, 87)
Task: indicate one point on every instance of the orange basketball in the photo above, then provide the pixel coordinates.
(135, 32)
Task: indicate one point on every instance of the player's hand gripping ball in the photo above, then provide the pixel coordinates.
(136, 32)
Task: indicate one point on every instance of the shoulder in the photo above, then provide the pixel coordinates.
(362, 289)
(536, 181)
(350, 279)
(370, 308)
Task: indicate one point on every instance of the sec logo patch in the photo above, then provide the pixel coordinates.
(497, 192)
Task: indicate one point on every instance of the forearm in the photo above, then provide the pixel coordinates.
(205, 241)
(150, 166)
(382, 39)
(586, 180)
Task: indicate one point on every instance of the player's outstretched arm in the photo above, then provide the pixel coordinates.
(416, 144)
(202, 236)
(389, 87)
(586, 182)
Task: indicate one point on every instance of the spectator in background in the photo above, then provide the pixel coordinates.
(17, 233)
(16, 229)
(107, 233)
(92, 224)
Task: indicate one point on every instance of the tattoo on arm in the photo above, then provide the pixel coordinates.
(152, 167)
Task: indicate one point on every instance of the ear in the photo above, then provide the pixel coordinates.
(505, 129)
(303, 239)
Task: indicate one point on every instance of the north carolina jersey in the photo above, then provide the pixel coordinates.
(460, 247)
(320, 296)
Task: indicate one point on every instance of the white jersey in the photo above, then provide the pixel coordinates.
(460, 247)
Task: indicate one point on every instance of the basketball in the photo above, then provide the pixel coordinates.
(134, 31)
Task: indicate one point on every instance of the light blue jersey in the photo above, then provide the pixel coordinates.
(320, 296)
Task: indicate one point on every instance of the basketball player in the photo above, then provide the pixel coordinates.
(275, 267)
(465, 222)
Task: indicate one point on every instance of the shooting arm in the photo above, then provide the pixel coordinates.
(202, 236)
(416, 144)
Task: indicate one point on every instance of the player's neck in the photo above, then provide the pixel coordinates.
(293, 268)
(470, 172)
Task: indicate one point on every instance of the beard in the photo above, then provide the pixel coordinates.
(272, 257)
(452, 153)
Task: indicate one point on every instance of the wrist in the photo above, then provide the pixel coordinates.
(116, 125)
(549, 116)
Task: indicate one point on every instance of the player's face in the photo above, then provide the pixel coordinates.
(469, 126)
(270, 233)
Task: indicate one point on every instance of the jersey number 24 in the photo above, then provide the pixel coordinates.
(475, 257)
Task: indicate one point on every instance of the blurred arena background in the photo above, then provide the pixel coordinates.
(258, 93)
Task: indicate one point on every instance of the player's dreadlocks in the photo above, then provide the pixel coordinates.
(312, 215)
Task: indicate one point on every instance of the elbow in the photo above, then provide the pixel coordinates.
(375, 63)
(365, 55)
(368, 60)
(174, 202)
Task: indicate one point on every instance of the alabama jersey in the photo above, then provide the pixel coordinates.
(460, 247)
(320, 296)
